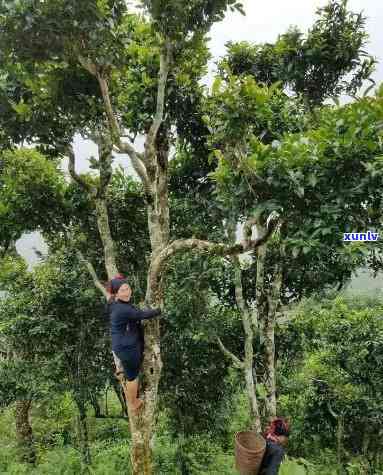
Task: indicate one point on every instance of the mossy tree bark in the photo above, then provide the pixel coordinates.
(24, 432)
(268, 299)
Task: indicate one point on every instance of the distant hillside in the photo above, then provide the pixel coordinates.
(365, 283)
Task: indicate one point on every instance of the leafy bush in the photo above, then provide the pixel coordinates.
(112, 457)
(331, 381)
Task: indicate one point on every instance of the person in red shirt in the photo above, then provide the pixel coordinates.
(276, 436)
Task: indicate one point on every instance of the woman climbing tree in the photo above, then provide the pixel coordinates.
(276, 439)
(127, 334)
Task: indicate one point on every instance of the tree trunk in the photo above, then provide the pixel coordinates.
(82, 428)
(339, 440)
(106, 237)
(269, 377)
(24, 432)
(106, 401)
(365, 442)
(142, 428)
(249, 354)
(95, 404)
(141, 425)
(262, 314)
(152, 167)
(267, 309)
(274, 300)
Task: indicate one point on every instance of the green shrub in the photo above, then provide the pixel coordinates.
(65, 461)
(111, 458)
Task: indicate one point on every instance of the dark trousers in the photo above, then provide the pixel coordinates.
(272, 459)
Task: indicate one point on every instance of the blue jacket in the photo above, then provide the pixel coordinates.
(125, 323)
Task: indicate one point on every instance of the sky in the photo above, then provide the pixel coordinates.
(264, 20)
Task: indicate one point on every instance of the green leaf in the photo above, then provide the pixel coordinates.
(261, 391)
(292, 468)
(216, 85)
(22, 109)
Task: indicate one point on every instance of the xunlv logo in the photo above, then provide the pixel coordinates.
(369, 236)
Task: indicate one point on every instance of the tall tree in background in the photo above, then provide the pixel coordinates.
(321, 180)
(327, 62)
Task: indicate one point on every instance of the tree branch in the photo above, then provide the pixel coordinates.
(136, 158)
(219, 249)
(123, 147)
(248, 227)
(253, 315)
(240, 300)
(106, 236)
(105, 159)
(330, 410)
(165, 58)
(275, 293)
(113, 123)
(236, 361)
(72, 171)
(93, 274)
(137, 164)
